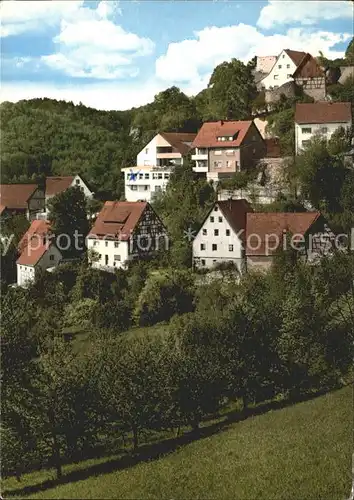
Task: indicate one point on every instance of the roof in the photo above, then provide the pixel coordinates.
(235, 212)
(178, 140)
(56, 185)
(295, 55)
(210, 131)
(32, 245)
(272, 148)
(271, 226)
(2, 209)
(118, 219)
(38, 228)
(16, 195)
(308, 68)
(323, 112)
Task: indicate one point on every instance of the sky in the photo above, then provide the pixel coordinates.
(119, 54)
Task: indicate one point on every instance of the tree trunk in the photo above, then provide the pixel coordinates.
(135, 439)
(56, 455)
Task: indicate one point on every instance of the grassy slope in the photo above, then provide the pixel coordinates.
(300, 452)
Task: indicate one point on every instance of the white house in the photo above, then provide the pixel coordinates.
(125, 231)
(283, 69)
(144, 183)
(221, 236)
(321, 119)
(37, 251)
(56, 185)
(166, 149)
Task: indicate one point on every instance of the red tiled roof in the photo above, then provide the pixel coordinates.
(308, 68)
(118, 219)
(178, 140)
(33, 253)
(38, 228)
(235, 212)
(295, 56)
(16, 195)
(210, 131)
(323, 112)
(262, 225)
(56, 185)
(272, 147)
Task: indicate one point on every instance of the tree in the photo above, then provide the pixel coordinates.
(68, 220)
(349, 53)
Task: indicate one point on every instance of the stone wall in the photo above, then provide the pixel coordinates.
(273, 95)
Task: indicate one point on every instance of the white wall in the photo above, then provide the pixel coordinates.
(222, 254)
(279, 76)
(77, 181)
(147, 184)
(147, 156)
(316, 129)
(111, 249)
(51, 258)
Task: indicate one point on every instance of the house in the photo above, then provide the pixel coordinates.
(222, 235)
(28, 199)
(56, 185)
(225, 147)
(283, 69)
(166, 149)
(155, 163)
(321, 119)
(145, 183)
(124, 231)
(311, 77)
(266, 233)
(37, 251)
(264, 64)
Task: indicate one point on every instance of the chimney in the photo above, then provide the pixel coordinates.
(221, 122)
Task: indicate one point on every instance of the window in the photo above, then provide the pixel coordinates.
(159, 176)
(216, 232)
(141, 176)
(228, 163)
(220, 219)
(230, 138)
(117, 257)
(106, 243)
(214, 247)
(214, 261)
(324, 130)
(279, 66)
(166, 176)
(283, 56)
(146, 188)
(203, 262)
(254, 150)
(77, 181)
(147, 176)
(217, 164)
(306, 130)
(231, 248)
(202, 246)
(211, 219)
(134, 188)
(227, 232)
(276, 77)
(116, 244)
(51, 257)
(204, 232)
(95, 243)
(146, 151)
(305, 143)
(288, 65)
(216, 208)
(254, 138)
(289, 76)
(217, 152)
(146, 163)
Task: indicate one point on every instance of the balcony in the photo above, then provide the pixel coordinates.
(201, 166)
(161, 156)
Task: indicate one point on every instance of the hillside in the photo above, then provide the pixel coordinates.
(299, 452)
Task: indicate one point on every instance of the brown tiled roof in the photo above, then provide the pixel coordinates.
(180, 141)
(56, 185)
(262, 225)
(295, 56)
(323, 112)
(272, 147)
(210, 131)
(235, 212)
(32, 245)
(308, 68)
(16, 195)
(118, 219)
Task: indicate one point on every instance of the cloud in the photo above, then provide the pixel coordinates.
(191, 62)
(305, 12)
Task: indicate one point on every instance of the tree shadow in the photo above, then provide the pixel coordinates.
(149, 452)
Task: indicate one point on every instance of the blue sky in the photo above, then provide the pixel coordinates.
(115, 55)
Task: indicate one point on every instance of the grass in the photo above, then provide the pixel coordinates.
(299, 452)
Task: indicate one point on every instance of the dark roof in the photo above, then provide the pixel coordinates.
(235, 212)
(16, 195)
(323, 112)
(56, 185)
(210, 131)
(295, 55)
(272, 148)
(262, 225)
(118, 219)
(179, 140)
(38, 227)
(308, 68)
